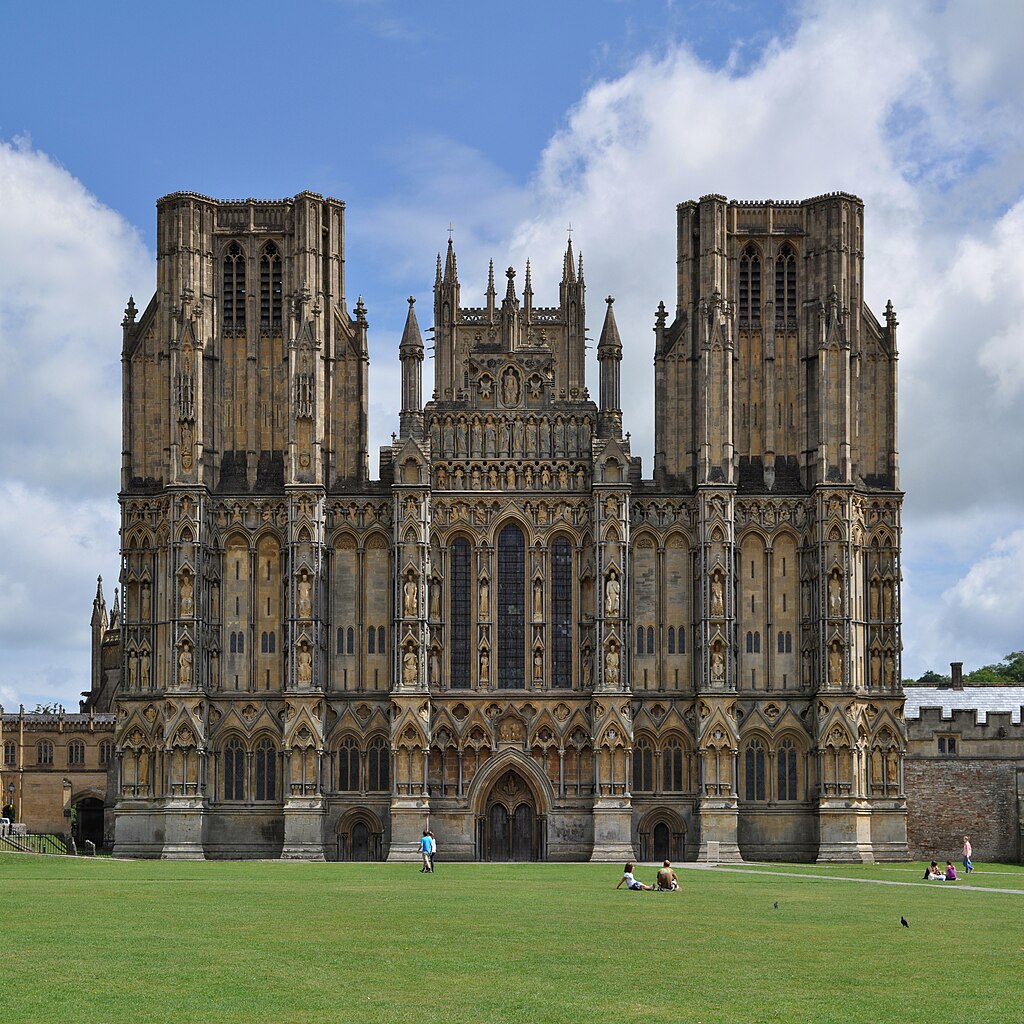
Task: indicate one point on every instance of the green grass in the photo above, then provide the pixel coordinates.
(101, 940)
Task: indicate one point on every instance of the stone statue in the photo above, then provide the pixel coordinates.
(611, 594)
(611, 666)
(144, 668)
(717, 597)
(410, 598)
(717, 664)
(185, 605)
(890, 668)
(517, 436)
(563, 478)
(485, 598)
(305, 597)
(442, 478)
(504, 445)
(410, 666)
(873, 599)
(545, 477)
(145, 601)
(435, 666)
(538, 600)
(485, 666)
(538, 666)
(510, 389)
(510, 476)
(435, 598)
(876, 668)
(588, 669)
(835, 596)
(835, 665)
(305, 666)
(492, 477)
(887, 599)
(185, 666)
(133, 670)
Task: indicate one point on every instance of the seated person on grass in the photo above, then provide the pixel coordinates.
(950, 871)
(933, 873)
(631, 882)
(667, 879)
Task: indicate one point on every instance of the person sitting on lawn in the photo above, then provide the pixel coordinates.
(933, 873)
(950, 871)
(631, 882)
(667, 879)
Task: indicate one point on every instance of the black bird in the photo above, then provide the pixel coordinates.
(903, 921)
(776, 904)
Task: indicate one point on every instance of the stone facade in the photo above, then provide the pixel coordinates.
(512, 635)
(965, 771)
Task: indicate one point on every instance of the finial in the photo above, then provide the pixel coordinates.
(412, 300)
(569, 229)
(451, 230)
(129, 312)
(610, 299)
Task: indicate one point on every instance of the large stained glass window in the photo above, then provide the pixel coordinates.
(511, 608)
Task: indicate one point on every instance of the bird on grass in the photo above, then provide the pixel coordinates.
(776, 904)
(903, 921)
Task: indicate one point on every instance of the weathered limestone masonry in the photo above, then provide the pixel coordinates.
(512, 636)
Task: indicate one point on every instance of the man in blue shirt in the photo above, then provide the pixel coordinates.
(425, 849)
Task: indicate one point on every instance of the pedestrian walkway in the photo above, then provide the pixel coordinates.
(953, 886)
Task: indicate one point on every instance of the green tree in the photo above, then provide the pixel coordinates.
(933, 677)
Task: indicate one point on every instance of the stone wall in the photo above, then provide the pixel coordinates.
(947, 800)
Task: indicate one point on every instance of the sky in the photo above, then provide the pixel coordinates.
(510, 122)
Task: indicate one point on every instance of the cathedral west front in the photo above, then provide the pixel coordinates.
(513, 637)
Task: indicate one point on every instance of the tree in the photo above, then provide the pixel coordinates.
(933, 677)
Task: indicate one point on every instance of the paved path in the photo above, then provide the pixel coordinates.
(845, 878)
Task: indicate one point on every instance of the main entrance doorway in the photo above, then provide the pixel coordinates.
(89, 821)
(510, 825)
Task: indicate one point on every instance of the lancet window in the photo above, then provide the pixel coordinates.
(270, 286)
(511, 608)
(561, 614)
(233, 287)
(460, 574)
(750, 286)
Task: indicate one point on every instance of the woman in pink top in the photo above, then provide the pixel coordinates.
(968, 866)
(950, 871)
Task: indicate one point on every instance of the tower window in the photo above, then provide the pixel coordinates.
(270, 286)
(750, 286)
(233, 287)
(785, 286)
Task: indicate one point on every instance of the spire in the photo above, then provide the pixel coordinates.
(528, 285)
(437, 278)
(568, 265)
(510, 292)
(490, 279)
(579, 273)
(610, 342)
(528, 295)
(609, 358)
(412, 340)
(410, 351)
(130, 312)
(451, 274)
(99, 606)
(115, 612)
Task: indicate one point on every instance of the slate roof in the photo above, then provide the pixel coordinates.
(979, 699)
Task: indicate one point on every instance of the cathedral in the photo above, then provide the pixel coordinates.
(514, 637)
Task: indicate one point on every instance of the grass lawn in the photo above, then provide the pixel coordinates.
(109, 941)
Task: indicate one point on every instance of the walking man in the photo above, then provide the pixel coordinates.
(425, 844)
(968, 866)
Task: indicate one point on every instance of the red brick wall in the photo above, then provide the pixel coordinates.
(949, 798)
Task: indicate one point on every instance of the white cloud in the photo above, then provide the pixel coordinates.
(69, 264)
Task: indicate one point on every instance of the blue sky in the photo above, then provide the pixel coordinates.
(511, 121)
